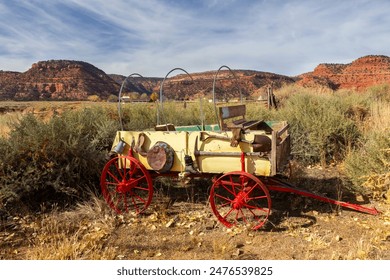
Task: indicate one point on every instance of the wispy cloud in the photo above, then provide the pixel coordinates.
(151, 37)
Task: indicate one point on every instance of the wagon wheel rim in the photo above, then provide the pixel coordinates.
(240, 198)
(126, 185)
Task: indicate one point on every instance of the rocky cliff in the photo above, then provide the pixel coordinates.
(227, 85)
(362, 73)
(57, 80)
(77, 80)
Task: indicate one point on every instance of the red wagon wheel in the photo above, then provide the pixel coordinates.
(240, 198)
(126, 185)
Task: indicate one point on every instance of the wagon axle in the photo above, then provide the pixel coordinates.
(240, 200)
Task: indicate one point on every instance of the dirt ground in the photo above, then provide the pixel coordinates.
(174, 228)
(179, 224)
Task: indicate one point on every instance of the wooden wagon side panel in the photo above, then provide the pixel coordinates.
(178, 140)
(280, 149)
(215, 156)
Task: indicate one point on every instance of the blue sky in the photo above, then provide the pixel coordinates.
(152, 37)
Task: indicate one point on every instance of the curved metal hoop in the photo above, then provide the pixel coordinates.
(214, 82)
(161, 92)
(120, 94)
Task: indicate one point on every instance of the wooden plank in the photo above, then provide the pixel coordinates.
(282, 130)
(230, 154)
(232, 111)
(273, 153)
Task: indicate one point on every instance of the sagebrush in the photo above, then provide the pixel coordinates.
(54, 161)
(60, 160)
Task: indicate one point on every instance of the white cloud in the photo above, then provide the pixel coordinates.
(152, 37)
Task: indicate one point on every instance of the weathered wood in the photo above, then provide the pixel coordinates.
(238, 112)
(273, 152)
(229, 154)
(282, 130)
(230, 112)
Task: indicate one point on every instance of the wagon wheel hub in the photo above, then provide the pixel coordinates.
(239, 201)
(125, 186)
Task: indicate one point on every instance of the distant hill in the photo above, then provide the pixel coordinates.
(137, 84)
(57, 80)
(248, 82)
(77, 80)
(362, 73)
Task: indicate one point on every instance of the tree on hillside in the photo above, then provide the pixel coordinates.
(143, 97)
(154, 97)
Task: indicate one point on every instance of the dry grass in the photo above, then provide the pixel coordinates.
(78, 234)
(5, 121)
(379, 117)
(190, 231)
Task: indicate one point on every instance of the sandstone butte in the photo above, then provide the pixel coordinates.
(78, 80)
(362, 73)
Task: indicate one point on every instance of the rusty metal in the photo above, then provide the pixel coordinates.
(160, 157)
(242, 162)
(140, 143)
(205, 136)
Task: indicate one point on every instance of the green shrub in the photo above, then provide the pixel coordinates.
(55, 161)
(138, 116)
(379, 92)
(369, 166)
(321, 128)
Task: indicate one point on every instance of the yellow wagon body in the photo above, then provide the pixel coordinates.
(212, 151)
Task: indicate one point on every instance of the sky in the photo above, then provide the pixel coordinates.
(152, 37)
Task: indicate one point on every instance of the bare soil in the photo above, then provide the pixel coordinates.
(175, 228)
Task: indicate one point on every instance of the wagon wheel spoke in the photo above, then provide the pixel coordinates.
(126, 185)
(243, 216)
(249, 207)
(242, 194)
(257, 197)
(255, 216)
(137, 180)
(125, 202)
(231, 190)
(225, 198)
(113, 176)
(117, 202)
(132, 172)
(135, 205)
(228, 213)
(116, 169)
(141, 188)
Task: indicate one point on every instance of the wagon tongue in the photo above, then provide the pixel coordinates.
(281, 186)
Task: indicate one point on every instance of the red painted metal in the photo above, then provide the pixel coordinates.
(126, 185)
(243, 162)
(274, 184)
(240, 198)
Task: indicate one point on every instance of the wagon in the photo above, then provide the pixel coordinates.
(245, 159)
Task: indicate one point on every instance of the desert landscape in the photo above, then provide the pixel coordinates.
(57, 128)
